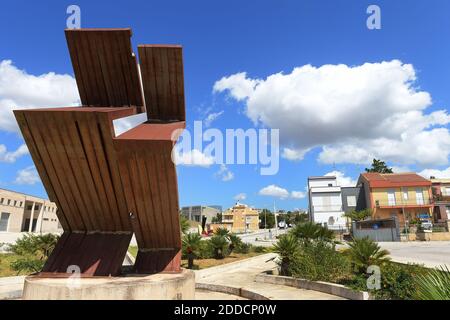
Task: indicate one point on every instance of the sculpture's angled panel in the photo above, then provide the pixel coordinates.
(74, 155)
(105, 67)
(163, 81)
(150, 185)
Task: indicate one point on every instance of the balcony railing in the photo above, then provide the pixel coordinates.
(404, 203)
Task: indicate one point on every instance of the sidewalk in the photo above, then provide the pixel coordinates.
(241, 274)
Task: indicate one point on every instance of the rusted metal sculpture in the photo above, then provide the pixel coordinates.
(109, 187)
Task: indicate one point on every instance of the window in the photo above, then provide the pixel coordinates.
(445, 191)
(419, 196)
(351, 201)
(29, 207)
(405, 195)
(1, 202)
(20, 204)
(330, 184)
(391, 197)
(36, 207)
(9, 202)
(4, 219)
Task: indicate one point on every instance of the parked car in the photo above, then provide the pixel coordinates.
(282, 225)
(426, 225)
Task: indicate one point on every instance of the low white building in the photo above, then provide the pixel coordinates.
(325, 202)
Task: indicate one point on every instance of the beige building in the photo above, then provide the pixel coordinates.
(240, 218)
(24, 213)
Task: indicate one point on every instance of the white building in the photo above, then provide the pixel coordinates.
(325, 202)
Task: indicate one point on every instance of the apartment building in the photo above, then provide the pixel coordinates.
(441, 197)
(24, 213)
(325, 202)
(407, 196)
(240, 218)
(196, 213)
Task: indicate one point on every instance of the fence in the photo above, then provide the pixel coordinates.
(377, 230)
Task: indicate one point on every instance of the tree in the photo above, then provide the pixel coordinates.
(191, 244)
(184, 224)
(219, 244)
(365, 252)
(434, 285)
(266, 214)
(359, 215)
(287, 248)
(223, 232)
(309, 231)
(379, 166)
(217, 218)
(235, 242)
(33, 251)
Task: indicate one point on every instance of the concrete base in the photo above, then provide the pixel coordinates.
(179, 286)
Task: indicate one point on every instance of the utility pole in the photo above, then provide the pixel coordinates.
(276, 220)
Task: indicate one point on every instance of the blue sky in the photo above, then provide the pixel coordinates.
(264, 38)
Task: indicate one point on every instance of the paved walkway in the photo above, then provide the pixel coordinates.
(241, 274)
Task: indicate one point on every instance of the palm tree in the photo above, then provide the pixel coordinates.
(191, 243)
(235, 242)
(224, 232)
(219, 244)
(308, 231)
(287, 248)
(365, 252)
(434, 285)
(184, 224)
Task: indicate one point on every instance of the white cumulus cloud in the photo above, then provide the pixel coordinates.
(210, 118)
(341, 179)
(12, 156)
(353, 113)
(240, 197)
(438, 174)
(28, 175)
(21, 90)
(298, 194)
(193, 157)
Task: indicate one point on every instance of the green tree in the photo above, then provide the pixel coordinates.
(235, 242)
(309, 231)
(33, 251)
(359, 215)
(219, 245)
(379, 166)
(217, 218)
(270, 222)
(191, 245)
(364, 253)
(287, 248)
(223, 232)
(184, 224)
(434, 285)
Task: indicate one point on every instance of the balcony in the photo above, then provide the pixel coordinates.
(404, 203)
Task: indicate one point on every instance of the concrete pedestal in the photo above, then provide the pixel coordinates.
(162, 286)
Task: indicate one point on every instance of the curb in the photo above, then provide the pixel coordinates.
(240, 292)
(325, 287)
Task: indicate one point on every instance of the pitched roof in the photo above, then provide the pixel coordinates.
(386, 180)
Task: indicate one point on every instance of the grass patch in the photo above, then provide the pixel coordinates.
(5, 265)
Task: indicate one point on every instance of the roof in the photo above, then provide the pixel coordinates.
(322, 177)
(386, 180)
(440, 180)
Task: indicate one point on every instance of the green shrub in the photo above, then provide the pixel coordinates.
(243, 248)
(205, 250)
(220, 246)
(258, 249)
(397, 281)
(319, 261)
(364, 253)
(33, 251)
